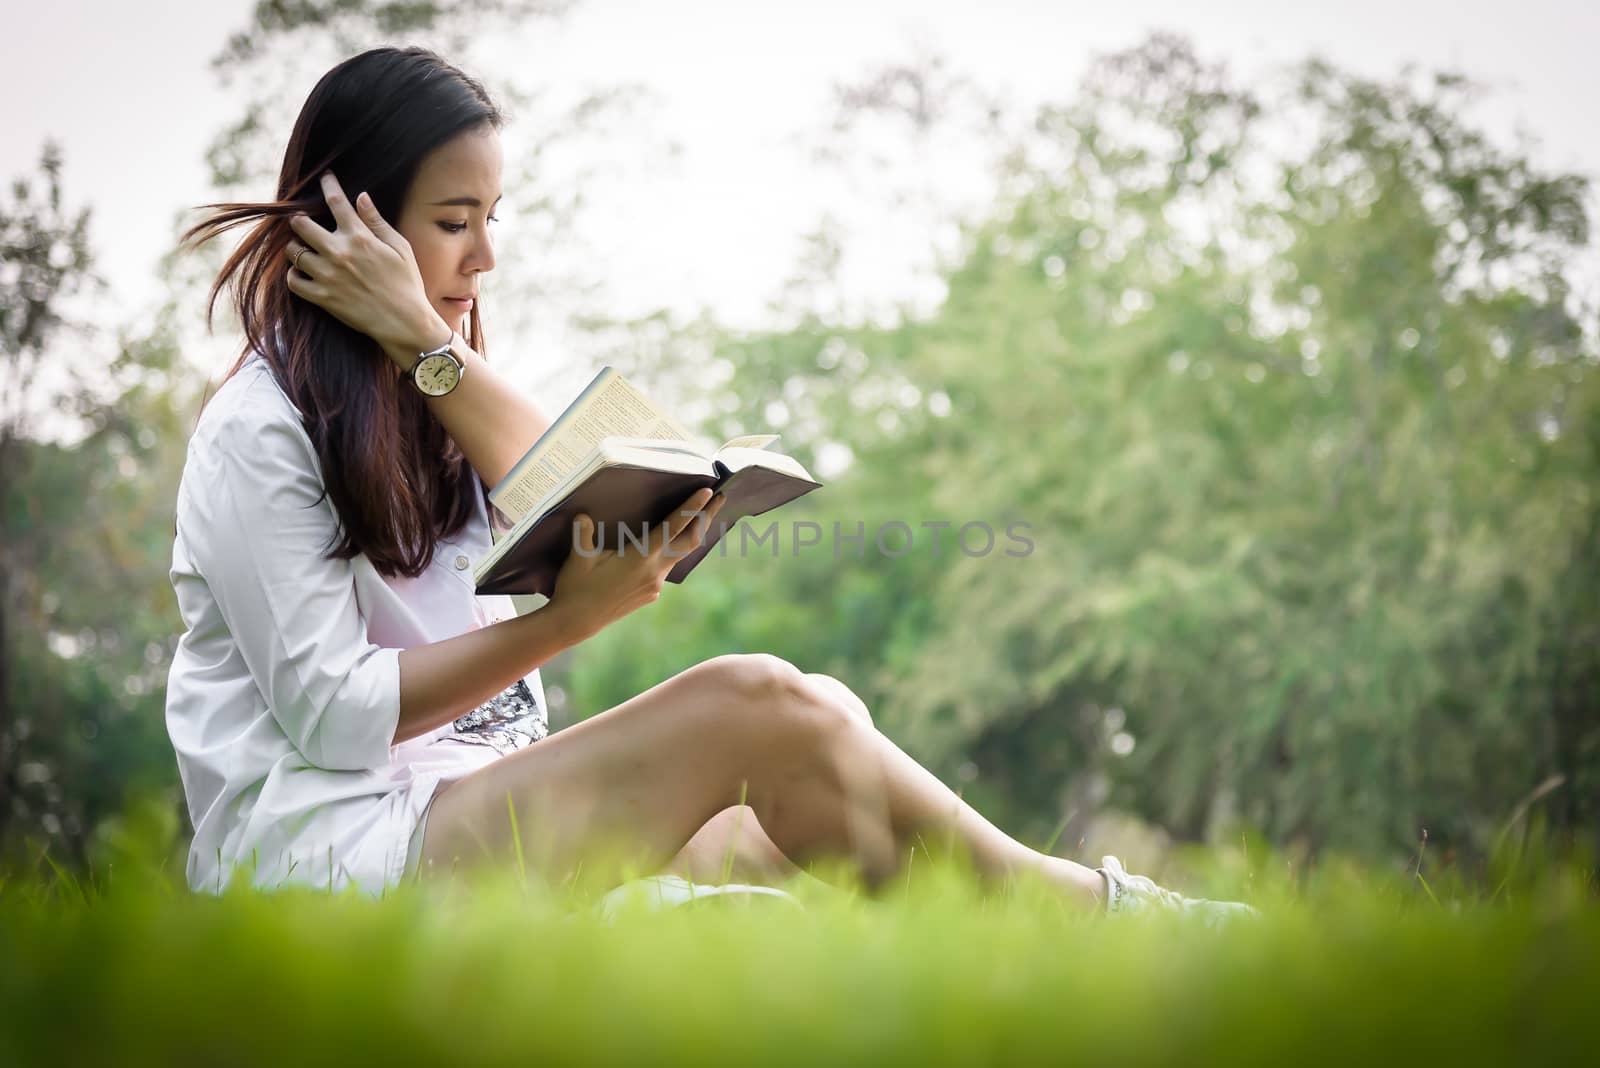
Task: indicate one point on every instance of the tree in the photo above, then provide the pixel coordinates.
(1294, 394)
(86, 610)
(44, 261)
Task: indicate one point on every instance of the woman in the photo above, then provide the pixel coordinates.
(344, 709)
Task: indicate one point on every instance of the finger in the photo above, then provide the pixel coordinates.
(379, 225)
(344, 216)
(306, 288)
(674, 525)
(311, 232)
(583, 537)
(685, 515)
(687, 541)
(302, 258)
(694, 535)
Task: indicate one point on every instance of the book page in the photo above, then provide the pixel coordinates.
(750, 441)
(611, 407)
(737, 459)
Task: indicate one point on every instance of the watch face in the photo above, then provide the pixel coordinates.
(437, 375)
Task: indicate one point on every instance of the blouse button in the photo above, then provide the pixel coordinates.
(462, 561)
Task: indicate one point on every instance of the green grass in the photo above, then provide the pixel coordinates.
(128, 967)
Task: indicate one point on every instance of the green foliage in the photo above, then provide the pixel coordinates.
(88, 618)
(90, 528)
(44, 246)
(1307, 441)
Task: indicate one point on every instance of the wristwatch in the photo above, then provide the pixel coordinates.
(438, 371)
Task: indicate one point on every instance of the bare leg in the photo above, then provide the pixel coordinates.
(645, 776)
(733, 847)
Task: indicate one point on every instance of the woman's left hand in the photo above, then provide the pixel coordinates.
(364, 274)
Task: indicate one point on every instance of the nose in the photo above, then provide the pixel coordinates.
(480, 260)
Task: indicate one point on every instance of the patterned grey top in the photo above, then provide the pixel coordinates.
(505, 722)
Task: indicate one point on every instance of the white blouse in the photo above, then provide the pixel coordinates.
(284, 693)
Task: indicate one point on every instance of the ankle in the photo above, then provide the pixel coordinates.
(1084, 886)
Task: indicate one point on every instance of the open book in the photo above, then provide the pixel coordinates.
(619, 459)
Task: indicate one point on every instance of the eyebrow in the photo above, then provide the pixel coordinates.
(462, 202)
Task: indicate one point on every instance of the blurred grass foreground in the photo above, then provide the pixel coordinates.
(1348, 966)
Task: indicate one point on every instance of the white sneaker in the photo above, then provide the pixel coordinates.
(659, 892)
(1138, 893)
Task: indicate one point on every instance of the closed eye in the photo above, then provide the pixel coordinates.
(456, 228)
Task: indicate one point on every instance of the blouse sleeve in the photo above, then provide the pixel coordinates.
(257, 533)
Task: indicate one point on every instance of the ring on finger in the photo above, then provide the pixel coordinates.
(294, 261)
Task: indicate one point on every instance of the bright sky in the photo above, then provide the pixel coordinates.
(130, 95)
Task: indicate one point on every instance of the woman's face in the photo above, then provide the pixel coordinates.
(446, 218)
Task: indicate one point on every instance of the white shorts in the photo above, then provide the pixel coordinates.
(414, 849)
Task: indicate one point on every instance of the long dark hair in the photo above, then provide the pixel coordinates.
(397, 480)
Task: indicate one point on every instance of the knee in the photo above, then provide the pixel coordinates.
(775, 687)
(752, 676)
(843, 694)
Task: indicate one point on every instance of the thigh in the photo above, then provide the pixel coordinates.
(626, 789)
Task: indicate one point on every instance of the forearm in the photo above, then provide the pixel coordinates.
(447, 679)
(492, 422)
